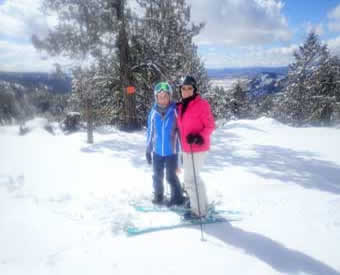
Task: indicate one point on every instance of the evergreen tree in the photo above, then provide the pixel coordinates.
(239, 103)
(219, 99)
(324, 92)
(95, 29)
(302, 88)
(163, 38)
(162, 49)
(9, 107)
(86, 86)
(15, 104)
(127, 49)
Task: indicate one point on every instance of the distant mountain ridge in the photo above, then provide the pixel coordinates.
(54, 83)
(242, 72)
(266, 83)
(64, 85)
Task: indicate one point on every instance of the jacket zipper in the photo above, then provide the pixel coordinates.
(163, 130)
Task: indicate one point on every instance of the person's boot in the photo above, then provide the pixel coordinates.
(186, 203)
(190, 216)
(175, 201)
(158, 199)
(176, 197)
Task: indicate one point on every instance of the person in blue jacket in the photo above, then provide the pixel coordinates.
(162, 145)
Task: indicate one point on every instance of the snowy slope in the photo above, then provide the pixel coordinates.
(64, 204)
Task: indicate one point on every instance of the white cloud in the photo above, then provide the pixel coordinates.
(240, 22)
(21, 18)
(334, 46)
(335, 14)
(334, 26)
(334, 20)
(318, 29)
(25, 58)
(236, 24)
(250, 57)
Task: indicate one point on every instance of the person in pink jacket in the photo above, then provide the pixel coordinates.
(196, 124)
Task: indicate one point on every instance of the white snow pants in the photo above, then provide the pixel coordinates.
(189, 182)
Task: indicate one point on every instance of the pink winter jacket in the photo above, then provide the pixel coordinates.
(197, 119)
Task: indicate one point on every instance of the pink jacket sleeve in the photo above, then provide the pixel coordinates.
(208, 120)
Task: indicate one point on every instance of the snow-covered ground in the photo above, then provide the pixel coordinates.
(64, 204)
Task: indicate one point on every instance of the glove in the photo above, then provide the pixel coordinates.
(148, 157)
(195, 139)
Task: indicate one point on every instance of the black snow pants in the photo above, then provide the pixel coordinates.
(169, 164)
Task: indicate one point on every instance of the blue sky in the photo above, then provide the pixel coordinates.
(242, 33)
(238, 33)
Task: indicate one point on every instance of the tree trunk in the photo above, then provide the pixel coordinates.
(130, 122)
(89, 116)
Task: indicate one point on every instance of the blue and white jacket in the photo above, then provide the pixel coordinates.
(162, 132)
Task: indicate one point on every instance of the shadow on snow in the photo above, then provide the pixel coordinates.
(274, 162)
(269, 251)
(121, 149)
(270, 162)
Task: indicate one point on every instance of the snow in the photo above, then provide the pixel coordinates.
(227, 83)
(64, 203)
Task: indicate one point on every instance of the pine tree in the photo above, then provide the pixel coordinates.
(95, 29)
(219, 99)
(85, 94)
(16, 105)
(162, 49)
(163, 38)
(324, 91)
(301, 90)
(239, 103)
(126, 49)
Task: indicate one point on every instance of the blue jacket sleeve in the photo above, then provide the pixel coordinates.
(149, 133)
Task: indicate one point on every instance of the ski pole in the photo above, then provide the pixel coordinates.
(197, 193)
